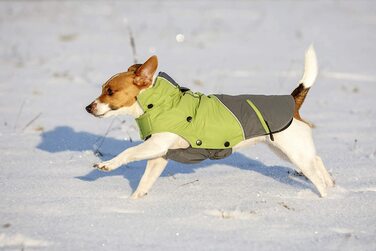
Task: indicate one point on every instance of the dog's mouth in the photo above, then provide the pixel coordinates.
(99, 109)
(99, 115)
(104, 114)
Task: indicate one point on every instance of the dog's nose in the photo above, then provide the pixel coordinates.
(92, 107)
(88, 108)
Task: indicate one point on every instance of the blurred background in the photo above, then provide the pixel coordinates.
(56, 54)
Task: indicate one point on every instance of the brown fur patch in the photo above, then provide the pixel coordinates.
(134, 67)
(122, 89)
(122, 92)
(299, 95)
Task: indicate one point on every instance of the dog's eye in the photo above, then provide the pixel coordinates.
(109, 92)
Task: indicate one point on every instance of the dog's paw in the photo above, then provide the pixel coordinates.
(322, 192)
(106, 165)
(137, 195)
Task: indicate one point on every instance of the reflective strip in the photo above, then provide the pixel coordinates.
(259, 115)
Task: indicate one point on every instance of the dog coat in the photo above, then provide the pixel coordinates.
(212, 124)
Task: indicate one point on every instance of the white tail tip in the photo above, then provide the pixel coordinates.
(310, 68)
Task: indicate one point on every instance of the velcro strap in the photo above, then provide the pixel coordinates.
(144, 125)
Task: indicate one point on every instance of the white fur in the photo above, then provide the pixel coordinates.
(310, 68)
(294, 144)
(154, 169)
(103, 110)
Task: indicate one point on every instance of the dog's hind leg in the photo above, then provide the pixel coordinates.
(297, 144)
(329, 181)
(154, 169)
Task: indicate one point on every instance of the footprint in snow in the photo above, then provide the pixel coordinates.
(233, 214)
(15, 241)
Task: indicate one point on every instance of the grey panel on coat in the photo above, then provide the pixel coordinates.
(195, 155)
(277, 111)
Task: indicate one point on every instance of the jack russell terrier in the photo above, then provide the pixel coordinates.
(189, 127)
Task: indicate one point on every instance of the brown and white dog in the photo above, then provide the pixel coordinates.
(119, 96)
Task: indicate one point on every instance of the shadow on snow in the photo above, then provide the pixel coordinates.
(64, 138)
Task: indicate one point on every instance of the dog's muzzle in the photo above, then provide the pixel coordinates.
(90, 108)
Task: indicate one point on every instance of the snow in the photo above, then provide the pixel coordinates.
(54, 57)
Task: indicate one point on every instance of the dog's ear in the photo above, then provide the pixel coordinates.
(144, 73)
(134, 67)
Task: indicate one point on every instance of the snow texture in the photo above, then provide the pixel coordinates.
(54, 57)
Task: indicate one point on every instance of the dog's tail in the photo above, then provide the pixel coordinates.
(308, 79)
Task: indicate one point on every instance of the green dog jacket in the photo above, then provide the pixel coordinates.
(212, 124)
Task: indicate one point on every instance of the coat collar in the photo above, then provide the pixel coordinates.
(164, 93)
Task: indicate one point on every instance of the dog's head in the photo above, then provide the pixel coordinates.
(120, 92)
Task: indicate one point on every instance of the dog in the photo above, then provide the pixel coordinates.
(126, 92)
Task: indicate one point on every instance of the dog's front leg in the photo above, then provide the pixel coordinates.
(154, 169)
(156, 146)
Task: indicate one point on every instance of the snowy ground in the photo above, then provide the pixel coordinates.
(54, 56)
